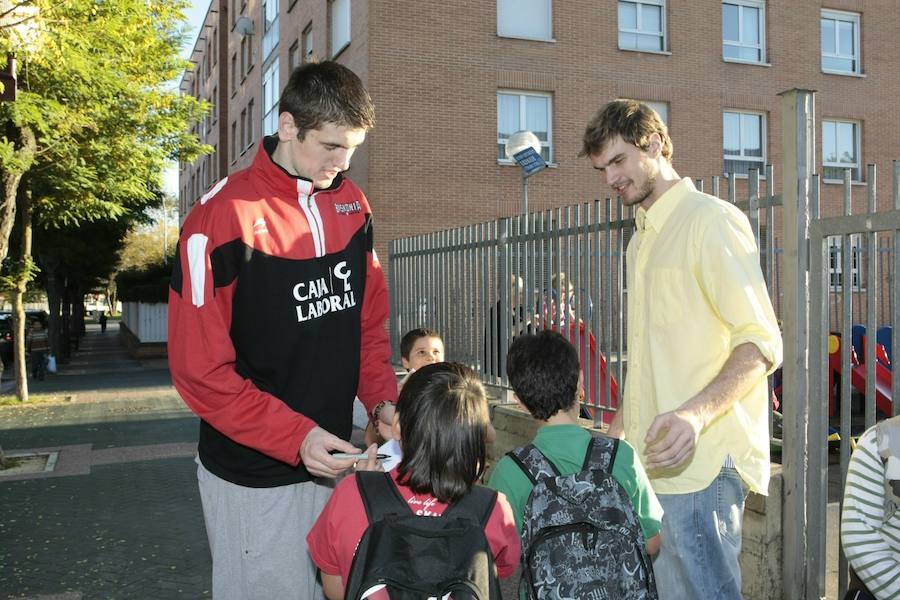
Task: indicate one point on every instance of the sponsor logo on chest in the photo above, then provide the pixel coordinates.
(323, 295)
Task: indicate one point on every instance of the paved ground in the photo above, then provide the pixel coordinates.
(119, 516)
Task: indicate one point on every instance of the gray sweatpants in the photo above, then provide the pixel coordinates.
(257, 537)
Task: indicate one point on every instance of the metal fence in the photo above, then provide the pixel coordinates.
(481, 285)
(850, 364)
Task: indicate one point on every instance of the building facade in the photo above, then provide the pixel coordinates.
(452, 80)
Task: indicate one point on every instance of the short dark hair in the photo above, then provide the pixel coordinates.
(543, 371)
(326, 92)
(412, 336)
(634, 121)
(443, 423)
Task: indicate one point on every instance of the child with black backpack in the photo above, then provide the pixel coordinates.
(588, 517)
(423, 529)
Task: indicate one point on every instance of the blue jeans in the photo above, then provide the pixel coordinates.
(701, 541)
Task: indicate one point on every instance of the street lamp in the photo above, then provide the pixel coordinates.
(524, 148)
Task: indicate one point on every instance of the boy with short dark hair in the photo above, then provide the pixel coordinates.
(544, 372)
(420, 347)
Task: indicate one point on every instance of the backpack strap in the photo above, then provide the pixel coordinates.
(601, 454)
(478, 504)
(380, 495)
(533, 463)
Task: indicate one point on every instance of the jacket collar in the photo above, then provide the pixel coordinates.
(277, 178)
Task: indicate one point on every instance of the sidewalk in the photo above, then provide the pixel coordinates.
(119, 515)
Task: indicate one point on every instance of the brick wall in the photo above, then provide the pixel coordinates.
(434, 69)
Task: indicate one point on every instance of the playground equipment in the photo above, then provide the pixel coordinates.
(883, 375)
(589, 410)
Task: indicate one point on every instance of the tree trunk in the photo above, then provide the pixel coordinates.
(6, 463)
(23, 274)
(65, 341)
(26, 146)
(78, 326)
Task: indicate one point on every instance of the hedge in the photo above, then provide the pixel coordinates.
(149, 284)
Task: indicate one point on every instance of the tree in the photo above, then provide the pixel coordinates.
(92, 98)
(151, 242)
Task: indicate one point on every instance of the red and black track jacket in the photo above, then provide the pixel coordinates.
(276, 319)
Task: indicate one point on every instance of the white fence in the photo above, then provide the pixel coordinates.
(148, 322)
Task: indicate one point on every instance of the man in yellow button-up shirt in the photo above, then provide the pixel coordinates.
(702, 336)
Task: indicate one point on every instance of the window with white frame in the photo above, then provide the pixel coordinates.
(836, 263)
(250, 125)
(529, 111)
(270, 98)
(340, 25)
(642, 25)
(744, 136)
(840, 150)
(270, 27)
(245, 58)
(234, 141)
(242, 142)
(294, 57)
(307, 44)
(840, 42)
(528, 19)
(744, 30)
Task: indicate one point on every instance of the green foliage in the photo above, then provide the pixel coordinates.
(148, 284)
(94, 93)
(86, 253)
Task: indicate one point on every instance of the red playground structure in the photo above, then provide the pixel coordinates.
(883, 375)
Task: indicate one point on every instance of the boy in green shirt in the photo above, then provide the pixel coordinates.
(545, 375)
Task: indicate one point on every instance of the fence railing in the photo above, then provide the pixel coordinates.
(481, 285)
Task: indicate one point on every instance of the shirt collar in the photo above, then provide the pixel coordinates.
(655, 218)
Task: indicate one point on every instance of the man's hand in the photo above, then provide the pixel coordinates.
(617, 426)
(372, 463)
(672, 438)
(315, 449)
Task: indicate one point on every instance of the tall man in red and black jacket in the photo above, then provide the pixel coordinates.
(276, 321)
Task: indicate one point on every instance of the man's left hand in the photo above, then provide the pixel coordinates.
(672, 438)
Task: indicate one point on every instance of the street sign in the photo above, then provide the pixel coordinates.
(530, 161)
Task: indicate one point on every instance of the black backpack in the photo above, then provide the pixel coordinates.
(581, 537)
(419, 557)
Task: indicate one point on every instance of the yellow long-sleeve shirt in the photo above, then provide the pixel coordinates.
(696, 292)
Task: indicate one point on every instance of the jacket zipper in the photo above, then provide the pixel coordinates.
(311, 212)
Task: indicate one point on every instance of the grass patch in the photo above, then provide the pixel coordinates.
(11, 400)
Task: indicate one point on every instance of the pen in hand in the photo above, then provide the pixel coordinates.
(362, 456)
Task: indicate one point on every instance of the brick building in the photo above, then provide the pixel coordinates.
(452, 79)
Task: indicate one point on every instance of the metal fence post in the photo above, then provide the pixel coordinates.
(800, 575)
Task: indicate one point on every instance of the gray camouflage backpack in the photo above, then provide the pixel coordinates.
(581, 537)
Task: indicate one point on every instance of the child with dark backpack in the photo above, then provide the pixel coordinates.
(588, 517)
(424, 529)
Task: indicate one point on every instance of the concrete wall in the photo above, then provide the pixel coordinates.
(762, 545)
